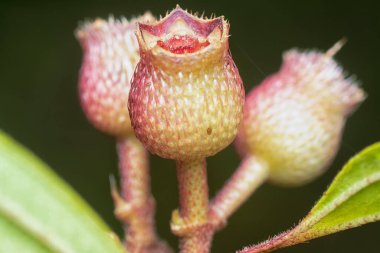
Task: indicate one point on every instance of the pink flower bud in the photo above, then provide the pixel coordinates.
(110, 57)
(294, 119)
(187, 97)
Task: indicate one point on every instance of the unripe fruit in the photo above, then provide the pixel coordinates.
(187, 97)
(110, 57)
(294, 119)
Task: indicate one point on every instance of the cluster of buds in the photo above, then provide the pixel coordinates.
(185, 102)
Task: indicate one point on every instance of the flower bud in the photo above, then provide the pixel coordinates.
(186, 100)
(294, 119)
(110, 56)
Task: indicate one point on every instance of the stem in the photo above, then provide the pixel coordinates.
(137, 208)
(193, 211)
(134, 170)
(251, 173)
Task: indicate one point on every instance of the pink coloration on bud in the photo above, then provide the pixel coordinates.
(187, 97)
(110, 57)
(294, 120)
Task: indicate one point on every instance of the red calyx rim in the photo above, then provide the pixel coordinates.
(191, 39)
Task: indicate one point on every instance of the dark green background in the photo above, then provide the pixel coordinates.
(39, 63)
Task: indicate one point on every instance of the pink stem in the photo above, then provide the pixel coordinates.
(251, 173)
(135, 189)
(193, 193)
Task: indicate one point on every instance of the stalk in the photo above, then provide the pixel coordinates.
(250, 174)
(194, 203)
(136, 207)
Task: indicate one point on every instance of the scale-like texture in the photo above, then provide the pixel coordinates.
(110, 57)
(187, 97)
(294, 119)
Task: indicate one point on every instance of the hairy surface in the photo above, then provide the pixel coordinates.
(294, 119)
(110, 57)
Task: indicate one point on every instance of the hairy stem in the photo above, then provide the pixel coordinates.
(193, 211)
(251, 173)
(136, 208)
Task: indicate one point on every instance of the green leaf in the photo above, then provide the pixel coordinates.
(39, 213)
(353, 199)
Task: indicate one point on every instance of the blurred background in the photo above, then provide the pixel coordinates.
(39, 64)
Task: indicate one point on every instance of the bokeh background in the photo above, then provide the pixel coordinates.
(39, 64)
